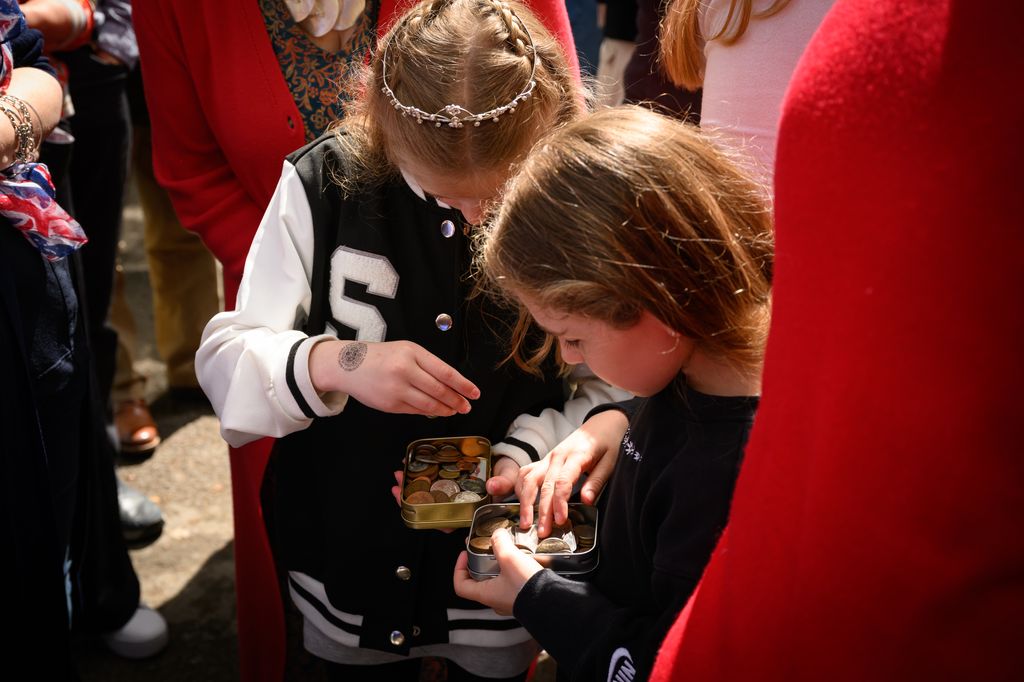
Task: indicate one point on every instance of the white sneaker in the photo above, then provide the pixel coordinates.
(144, 635)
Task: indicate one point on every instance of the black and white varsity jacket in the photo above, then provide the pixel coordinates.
(384, 265)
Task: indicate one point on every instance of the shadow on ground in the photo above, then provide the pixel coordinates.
(203, 650)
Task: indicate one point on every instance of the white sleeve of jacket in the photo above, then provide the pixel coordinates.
(252, 363)
(531, 438)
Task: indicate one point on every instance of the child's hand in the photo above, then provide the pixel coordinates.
(503, 482)
(396, 490)
(392, 376)
(499, 593)
(593, 447)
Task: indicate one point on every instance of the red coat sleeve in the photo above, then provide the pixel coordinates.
(187, 159)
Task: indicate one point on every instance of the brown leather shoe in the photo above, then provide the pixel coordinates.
(135, 427)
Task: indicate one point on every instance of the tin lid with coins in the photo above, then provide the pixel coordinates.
(444, 481)
(570, 549)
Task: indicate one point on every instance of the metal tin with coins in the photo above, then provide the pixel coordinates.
(570, 549)
(444, 481)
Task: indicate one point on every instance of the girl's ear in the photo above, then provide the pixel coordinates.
(676, 336)
(668, 330)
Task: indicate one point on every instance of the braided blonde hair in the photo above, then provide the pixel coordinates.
(474, 53)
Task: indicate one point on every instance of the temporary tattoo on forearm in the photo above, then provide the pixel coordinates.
(351, 356)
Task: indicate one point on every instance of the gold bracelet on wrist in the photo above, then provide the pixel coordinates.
(39, 125)
(22, 136)
(24, 132)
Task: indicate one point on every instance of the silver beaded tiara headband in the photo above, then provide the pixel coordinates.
(456, 115)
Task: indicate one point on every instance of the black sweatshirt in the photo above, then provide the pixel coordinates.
(666, 505)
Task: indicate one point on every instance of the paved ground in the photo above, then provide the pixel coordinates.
(188, 574)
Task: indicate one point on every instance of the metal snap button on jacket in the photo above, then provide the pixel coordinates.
(448, 229)
(443, 322)
(397, 638)
(403, 573)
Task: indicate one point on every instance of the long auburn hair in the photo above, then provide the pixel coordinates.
(627, 210)
(474, 53)
(681, 42)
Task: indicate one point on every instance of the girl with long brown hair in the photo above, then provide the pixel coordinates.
(641, 250)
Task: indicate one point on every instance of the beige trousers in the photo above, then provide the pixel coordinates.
(184, 282)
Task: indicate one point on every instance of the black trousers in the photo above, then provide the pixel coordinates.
(98, 175)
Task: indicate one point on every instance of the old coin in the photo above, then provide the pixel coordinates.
(481, 544)
(473, 485)
(584, 532)
(448, 454)
(421, 497)
(419, 485)
(418, 466)
(451, 475)
(552, 546)
(562, 529)
(449, 488)
(440, 497)
(474, 446)
(488, 526)
(466, 496)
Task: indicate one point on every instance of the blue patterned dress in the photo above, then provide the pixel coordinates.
(315, 77)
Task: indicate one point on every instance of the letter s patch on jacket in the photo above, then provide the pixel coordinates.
(380, 278)
(621, 668)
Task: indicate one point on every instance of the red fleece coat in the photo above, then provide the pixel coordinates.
(877, 530)
(223, 121)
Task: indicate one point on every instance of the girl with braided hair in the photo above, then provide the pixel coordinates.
(356, 333)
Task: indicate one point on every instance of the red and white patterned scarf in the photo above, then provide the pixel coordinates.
(26, 190)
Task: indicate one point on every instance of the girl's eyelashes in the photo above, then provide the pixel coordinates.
(571, 343)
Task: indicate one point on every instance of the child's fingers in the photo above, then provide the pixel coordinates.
(499, 486)
(447, 375)
(547, 490)
(396, 490)
(486, 591)
(503, 478)
(516, 566)
(439, 394)
(564, 482)
(499, 593)
(502, 545)
(423, 403)
(420, 403)
(554, 494)
(526, 491)
(598, 477)
(465, 586)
